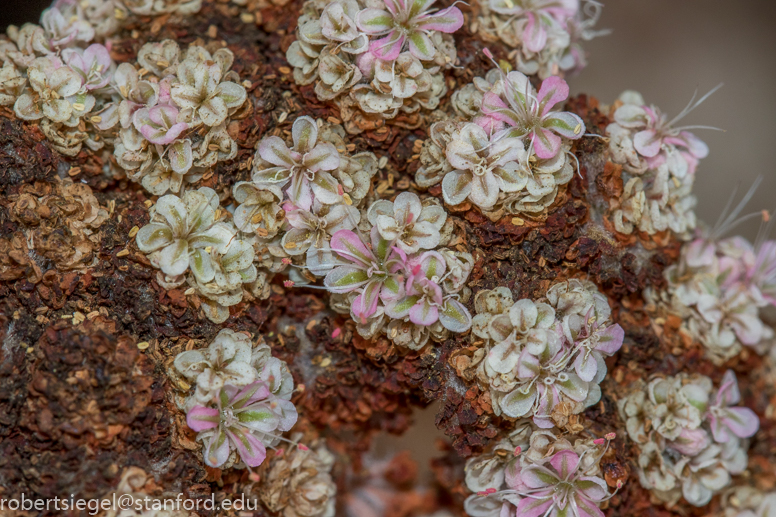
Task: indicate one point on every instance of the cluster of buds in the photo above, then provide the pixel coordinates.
(377, 59)
(659, 161)
(544, 360)
(691, 439)
(546, 35)
(534, 473)
(510, 153)
(170, 116)
(719, 288)
(242, 399)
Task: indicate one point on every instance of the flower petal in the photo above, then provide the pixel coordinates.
(374, 21)
(200, 418)
(251, 450)
(305, 134)
(447, 20)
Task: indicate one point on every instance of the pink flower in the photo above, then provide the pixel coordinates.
(92, 64)
(740, 421)
(540, 16)
(305, 166)
(659, 142)
(404, 21)
(243, 420)
(528, 115)
(558, 487)
(374, 274)
(159, 124)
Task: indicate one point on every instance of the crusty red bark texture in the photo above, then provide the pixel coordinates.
(88, 336)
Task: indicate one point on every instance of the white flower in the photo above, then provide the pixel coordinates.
(407, 223)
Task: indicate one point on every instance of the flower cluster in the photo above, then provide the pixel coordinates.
(170, 117)
(380, 60)
(297, 482)
(691, 438)
(718, 288)
(546, 35)
(659, 162)
(398, 280)
(534, 473)
(188, 243)
(544, 360)
(299, 196)
(56, 75)
(164, 118)
(747, 501)
(242, 398)
(510, 153)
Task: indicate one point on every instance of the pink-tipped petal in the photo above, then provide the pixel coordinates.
(201, 418)
(546, 143)
(424, 314)
(534, 35)
(349, 245)
(250, 448)
(565, 462)
(389, 47)
(647, 143)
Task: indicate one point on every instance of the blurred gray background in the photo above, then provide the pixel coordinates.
(666, 49)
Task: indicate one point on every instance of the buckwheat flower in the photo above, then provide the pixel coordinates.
(337, 75)
(402, 22)
(64, 28)
(403, 77)
(703, 475)
(542, 16)
(598, 341)
(406, 223)
(202, 93)
(12, 84)
(311, 231)
(306, 166)
(135, 94)
(159, 125)
(658, 140)
(259, 211)
(93, 65)
(483, 167)
(422, 298)
(559, 487)
(273, 371)
(161, 59)
(227, 360)
(244, 420)
(656, 471)
(527, 324)
(338, 24)
(528, 115)
(374, 273)
(726, 420)
(180, 229)
(544, 381)
(676, 406)
(52, 84)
